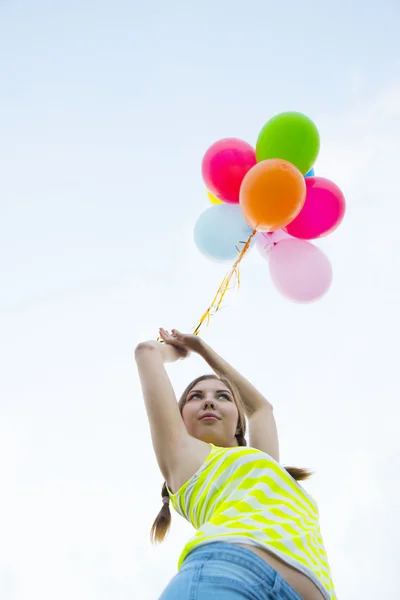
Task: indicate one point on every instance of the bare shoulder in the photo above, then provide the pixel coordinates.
(191, 454)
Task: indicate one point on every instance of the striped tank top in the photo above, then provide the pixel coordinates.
(242, 495)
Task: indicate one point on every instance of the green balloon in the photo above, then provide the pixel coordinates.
(290, 136)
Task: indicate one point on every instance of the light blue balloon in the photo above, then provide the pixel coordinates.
(310, 173)
(219, 231)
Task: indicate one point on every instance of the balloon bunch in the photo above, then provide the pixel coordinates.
(270, 195)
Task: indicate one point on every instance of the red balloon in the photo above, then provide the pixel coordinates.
(224, 166)
(323, 210)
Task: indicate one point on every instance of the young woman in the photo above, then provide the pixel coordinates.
(258, 534)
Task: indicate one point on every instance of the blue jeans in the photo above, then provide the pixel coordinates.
(224, 571)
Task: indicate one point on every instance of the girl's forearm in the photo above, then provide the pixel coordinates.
(166, 352)
(251, 397)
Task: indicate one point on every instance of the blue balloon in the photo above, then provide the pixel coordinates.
(219, 231)
(310, 173)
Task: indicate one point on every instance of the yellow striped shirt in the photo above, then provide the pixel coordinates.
(242, 495)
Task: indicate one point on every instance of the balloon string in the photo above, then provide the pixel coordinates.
(225, 286)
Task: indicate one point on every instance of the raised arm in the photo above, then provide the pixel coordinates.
(168, 432)
(252, 399)
(263, 432)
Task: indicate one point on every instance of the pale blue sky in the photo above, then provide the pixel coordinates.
(105, 113)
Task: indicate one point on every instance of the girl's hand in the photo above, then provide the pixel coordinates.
(183, 341)
(173, 347)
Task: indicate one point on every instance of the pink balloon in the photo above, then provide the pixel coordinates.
(323, 210)
(300, 271)
(265, 241)
(224, 166)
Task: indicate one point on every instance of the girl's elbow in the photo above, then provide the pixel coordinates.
(144, 348)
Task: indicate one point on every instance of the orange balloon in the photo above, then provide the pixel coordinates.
(272, 194)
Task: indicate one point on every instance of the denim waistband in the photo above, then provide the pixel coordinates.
(235, 554)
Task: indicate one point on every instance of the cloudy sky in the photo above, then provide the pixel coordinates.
(105, 112)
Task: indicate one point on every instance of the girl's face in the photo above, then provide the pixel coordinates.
(211, 395)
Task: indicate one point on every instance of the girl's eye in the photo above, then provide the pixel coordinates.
(226, 396)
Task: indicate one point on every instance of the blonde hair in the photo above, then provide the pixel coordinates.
(162, 522)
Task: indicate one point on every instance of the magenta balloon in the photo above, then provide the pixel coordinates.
(224, 166)
(300, 271)
(322, 212)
